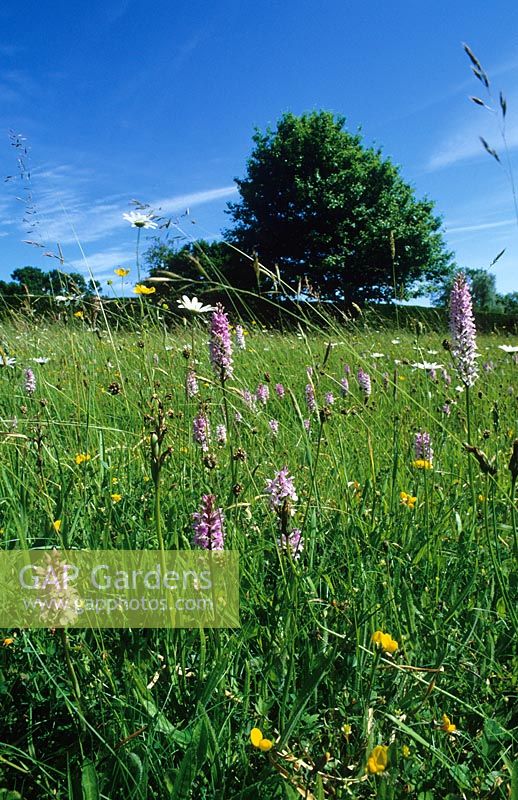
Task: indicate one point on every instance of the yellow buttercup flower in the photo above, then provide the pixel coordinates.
(385, 642)
(116, 497)
(347, 730)
(141, 289)
(378, 759)
(121, 272)
(407, 500)
(422, 463)
(405, 751)
(8, 641)
(447, 726)
(79, 314)
(57, 525)
(257, 739)
(81, 458)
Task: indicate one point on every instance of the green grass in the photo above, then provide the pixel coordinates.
(302, 666)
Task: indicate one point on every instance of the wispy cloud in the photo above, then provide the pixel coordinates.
(170, 205)
(17, 87)
(462, 141)
(58, 207)
(90, 222)
(115, 10)
(466, 145)
(185, 50)
(102, 263)
(483, 226)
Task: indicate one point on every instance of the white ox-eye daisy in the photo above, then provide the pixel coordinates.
(427, 365)
(139, 220)
(194, 305)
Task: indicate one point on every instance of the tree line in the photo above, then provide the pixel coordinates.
(319, 216)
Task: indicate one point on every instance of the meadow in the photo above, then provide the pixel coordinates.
(376, 653)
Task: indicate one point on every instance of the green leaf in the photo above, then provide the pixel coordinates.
(304, 696)
(162, 724)
(192, 761)
(89, 782)
(514, 781)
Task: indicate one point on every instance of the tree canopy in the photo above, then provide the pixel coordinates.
(199, 262)
(322, 206)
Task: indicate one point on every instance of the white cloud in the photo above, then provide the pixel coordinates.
(67, 218)
(465, 144)
(102, 263)
(56, 207)
(462, 141)
(483, 226)
(171, 205)
(96, 221)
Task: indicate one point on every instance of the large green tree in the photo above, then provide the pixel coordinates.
(197, 266)
(321, 205)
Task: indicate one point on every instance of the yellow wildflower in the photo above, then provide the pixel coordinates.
(378, 759)
(408, 500)
(481, 498)
(405, 751)
(447, 726)
(121, 272)
(57, 525)
(422, 463)
(141, 289)
(79, 314)
(8, 641)
(82, 457)
(116, 497)
(385, 642)
(256, 737)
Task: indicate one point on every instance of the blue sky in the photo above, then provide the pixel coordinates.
(158, 101)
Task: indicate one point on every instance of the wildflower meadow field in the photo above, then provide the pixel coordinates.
(366, 478)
